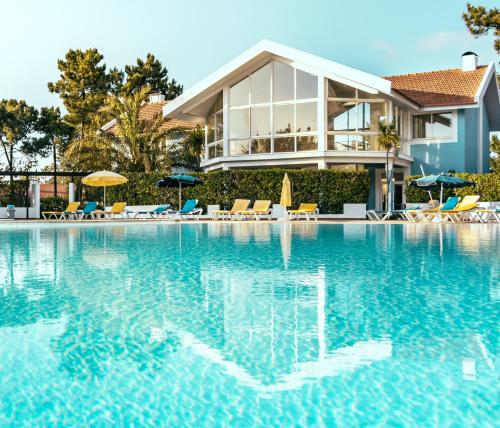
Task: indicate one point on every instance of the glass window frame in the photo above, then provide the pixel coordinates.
(216, 145)
(359, 133)
(432, 137)
(271, 104)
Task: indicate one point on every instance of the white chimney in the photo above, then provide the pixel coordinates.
(469, 61)
(156, 97)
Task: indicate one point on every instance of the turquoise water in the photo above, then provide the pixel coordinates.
(249, 325)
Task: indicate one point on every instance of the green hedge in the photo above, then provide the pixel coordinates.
(329, 188)
(486, 185)
(53, 204)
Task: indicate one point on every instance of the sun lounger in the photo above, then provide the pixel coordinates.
(486, 215)
(239, 205)
(437, 213)
(118, 209)
(70, 210)
(306, 210)
(189, 209)
(260, 209)
(158, 212)
(87, 211)
(462, 211)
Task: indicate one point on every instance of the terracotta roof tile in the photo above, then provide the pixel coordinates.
(439, 88)
(150, 110)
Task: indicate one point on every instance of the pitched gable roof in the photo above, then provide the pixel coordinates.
(440, 88)
(148, 112)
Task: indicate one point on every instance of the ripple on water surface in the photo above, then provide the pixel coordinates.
(249, 325)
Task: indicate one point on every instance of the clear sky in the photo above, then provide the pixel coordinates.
(195, 37)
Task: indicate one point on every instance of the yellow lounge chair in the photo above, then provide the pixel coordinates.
(462, 210)
(238, 206)
(118, 209)
(70, 210)
(306, 210)
(260, 208)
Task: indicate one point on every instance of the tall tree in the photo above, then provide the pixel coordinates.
(55, 135)
(17, 124)
(83, 85)
(138, 142)
(480, 21)
(152, 73)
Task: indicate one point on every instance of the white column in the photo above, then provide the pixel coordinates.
(321, 114)
(35, 195)
(225, 115)
(71, 192)
(206, 141)
(322, 164)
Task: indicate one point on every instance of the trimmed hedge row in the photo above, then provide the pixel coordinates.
(329, 188)
(53, 203)
(486, 185)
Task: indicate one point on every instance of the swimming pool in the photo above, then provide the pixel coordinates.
(249, 324)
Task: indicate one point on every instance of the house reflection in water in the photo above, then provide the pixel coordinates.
(273, 305)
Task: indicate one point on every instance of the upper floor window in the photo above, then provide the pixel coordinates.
(275, 100)
(215, 125)
(433, 125)
(353, 117)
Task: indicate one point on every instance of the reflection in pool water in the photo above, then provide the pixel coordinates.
(249, 324)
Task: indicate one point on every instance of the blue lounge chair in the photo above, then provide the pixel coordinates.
(87, 211)
(189, 209)
(159, 211)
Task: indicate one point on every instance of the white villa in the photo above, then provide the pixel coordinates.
(275, 106)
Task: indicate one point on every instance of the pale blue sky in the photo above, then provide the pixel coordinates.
(195, 37)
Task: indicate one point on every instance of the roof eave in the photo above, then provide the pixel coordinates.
(320, 66)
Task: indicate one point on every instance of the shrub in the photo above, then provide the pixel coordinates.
(486, 185)
(329, 188)
(53, 203)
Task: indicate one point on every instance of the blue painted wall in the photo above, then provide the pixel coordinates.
(460, 156)
(486, 140)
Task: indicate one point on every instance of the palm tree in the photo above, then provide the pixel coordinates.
(139, 142)
(388, 138)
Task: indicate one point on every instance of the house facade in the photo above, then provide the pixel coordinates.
(275, 106)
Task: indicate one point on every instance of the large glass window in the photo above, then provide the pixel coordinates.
(261, 145)
(240, 123)
(306, 117)
(239, 93)
(260, 85)
(239, 147)
(285, 144)
(215, 129)
(434, 125)
(260, 121)
(260, 115)
(283, 82)
(353, 117)
(339, 90)
(283, 119)
(307, 85)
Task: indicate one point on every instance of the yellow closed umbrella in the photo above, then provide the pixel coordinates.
(286, 192)
(104, 179)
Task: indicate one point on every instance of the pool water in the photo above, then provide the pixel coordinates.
(249, 325)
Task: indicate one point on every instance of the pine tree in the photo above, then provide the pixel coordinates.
(83, 86)
(152, 73)
(480, 21)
